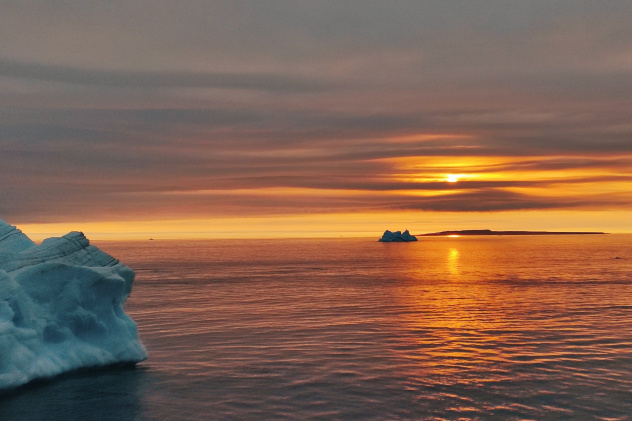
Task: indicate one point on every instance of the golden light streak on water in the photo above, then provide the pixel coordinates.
(453, 262)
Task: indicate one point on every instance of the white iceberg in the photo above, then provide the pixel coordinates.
(397, 236)
(61, 308)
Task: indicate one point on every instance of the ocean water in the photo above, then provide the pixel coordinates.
(352, 329)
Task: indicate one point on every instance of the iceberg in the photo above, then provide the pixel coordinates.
(61, 308)
(397, 236)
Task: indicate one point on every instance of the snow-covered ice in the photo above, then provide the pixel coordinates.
(61, 308)
(397, 236)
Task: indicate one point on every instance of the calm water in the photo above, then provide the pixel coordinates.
(446, 328)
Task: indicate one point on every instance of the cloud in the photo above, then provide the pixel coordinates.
(489, 200)
(158, 80)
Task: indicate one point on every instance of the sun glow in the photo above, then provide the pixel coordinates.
(453, 178)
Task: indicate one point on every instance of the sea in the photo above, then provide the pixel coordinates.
(446, 328)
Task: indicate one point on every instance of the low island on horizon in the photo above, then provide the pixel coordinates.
(491, 232)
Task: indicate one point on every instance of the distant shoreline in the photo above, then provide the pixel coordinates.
(490, 232)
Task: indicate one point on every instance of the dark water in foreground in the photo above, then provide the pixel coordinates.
(446, 328)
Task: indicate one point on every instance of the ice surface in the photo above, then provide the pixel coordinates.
(397, 236)
(61, 308)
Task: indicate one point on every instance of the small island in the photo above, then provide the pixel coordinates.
(490, 232)
(397, 237)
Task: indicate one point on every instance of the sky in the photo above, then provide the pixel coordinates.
(194, 119)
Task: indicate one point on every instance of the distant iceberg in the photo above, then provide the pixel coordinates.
(61, 308)
(397, 236)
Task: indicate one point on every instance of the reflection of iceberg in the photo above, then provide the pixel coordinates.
(61, 308)
(397, 236)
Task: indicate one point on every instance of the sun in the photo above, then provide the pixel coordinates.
(452, 178)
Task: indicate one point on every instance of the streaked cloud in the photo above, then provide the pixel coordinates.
(157, 80)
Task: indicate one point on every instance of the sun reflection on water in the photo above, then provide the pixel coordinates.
(453, 262)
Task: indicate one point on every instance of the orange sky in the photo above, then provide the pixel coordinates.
(315, 119)
(336, 225)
